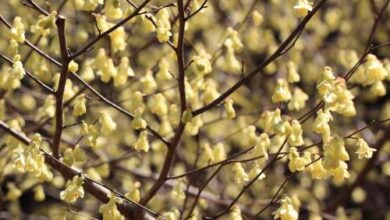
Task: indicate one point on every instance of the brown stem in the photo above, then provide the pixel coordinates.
(59, 95)
(183, 105)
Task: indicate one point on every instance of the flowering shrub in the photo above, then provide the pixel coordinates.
(196, 109)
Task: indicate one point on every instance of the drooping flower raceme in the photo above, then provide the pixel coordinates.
(296, 162)
(108, 125)
(30, 159)
(79, 107)
(74, 189)
(282, 92)
(230, 113)
(142, 142)
(17, 32)
(335, 152)
(240, 175)
(363, 150)
(17, 71)
(286, 211)
(202, 64)
(110, 210)
(163, 25)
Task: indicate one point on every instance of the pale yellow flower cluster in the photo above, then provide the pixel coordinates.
(31, 159)
(74, 189)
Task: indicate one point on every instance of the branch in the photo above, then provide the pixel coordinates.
(183, 105)
(32, 4)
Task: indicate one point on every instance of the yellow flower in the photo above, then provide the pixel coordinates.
(163, 25)
(112, 9)
(17, 71)
(210, 93)
(187, 116)
(148, 83)
(142, 142)
(229, 108)
(295, 138)
(13, 48)
(163, 33)
(165, 126)
(296, 162)
(377, 89)
(118, 39)
(159, 105)
(298, 100)
(340, 173)
(255, 171)
(105, 66)
(17, 32)
(89, 5)
(202, 64)
(178, 193)
(240, 175)
(283, 127)
(108, 125)
(138, 122)
(110, 210)
(374, 69)
(79, 107)
(219, 152)
(257, 18)
(146, 25)
(232, 40)
(262, 144)
(302, 7)
(134, 194)
(292, 74)
(268, 120)
(74, 189)
(73, 66)
(39, 193)
(335, 152)
(45, 23)
(31, 159)
(282, 92)
(321, 124)
(124, 71)
(163, 72)
(317, 170)
(364, 151)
